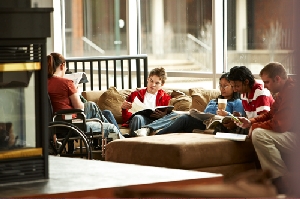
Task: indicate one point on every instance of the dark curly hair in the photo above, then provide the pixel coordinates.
(241, 73)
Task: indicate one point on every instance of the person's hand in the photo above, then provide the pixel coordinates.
(236, 114)
(126, 105)
(244, 122)
(158, 114)
(229, 125)
(222, 112)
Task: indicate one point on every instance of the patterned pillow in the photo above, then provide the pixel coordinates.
(181, 103)
(112, 100)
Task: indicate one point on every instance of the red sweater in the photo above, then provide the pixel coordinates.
(162, 99)
(281, 117)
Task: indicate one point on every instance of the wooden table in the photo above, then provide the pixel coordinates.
(74, 177)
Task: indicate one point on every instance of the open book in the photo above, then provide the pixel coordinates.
(77, 78)
(201, 115)
(139, 108)
(231, 136)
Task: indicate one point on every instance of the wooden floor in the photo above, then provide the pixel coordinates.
(74, 177)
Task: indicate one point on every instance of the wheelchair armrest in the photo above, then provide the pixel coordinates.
(69, 111)
(94, 120)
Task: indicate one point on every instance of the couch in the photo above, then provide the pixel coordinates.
(191, 151)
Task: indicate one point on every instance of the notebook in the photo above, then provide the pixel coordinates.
(231, 136)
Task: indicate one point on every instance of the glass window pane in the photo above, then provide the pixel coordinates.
(177, 35)
(259, 32)
(95, 28)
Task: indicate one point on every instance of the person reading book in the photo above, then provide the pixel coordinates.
(151, 96)
(174, 122)
(63, 95)
(255, 98)
(273, 133)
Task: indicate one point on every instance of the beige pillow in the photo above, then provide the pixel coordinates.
(177, 93)
(181, 103)
(112, 100)
(201, 97)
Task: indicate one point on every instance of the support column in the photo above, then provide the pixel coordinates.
(241, 25)
(217, 39)
(77, 28)
(133, 27)
(157, 14)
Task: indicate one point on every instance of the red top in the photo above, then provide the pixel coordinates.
(162, 99)
(59, 90)
(281, 117)
(259, 100)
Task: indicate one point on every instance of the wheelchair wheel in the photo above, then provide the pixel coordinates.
(66, 134)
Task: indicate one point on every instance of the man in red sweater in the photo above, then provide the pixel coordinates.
(151, 96)
(273, 133)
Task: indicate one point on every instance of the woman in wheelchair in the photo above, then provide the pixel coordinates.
(63, 95)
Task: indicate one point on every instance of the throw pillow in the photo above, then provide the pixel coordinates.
(181, 103)
(177, 93)
(112, 100)
(201, 97)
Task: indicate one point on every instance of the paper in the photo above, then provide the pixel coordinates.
(137, 105)
(231, 136)
(77, 78)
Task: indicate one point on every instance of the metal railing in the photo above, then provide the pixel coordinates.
(100, 70)
(198, 52)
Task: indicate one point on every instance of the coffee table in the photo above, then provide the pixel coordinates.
(74, 177)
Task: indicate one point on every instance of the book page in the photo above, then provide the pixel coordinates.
(231, 136)
(137, 105)
(75, 77)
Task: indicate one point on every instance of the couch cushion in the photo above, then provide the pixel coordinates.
(92, 95)
(201, 97)
(112, 100)
(181, 102)
(180, 150)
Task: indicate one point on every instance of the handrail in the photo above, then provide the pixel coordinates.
(113, 65)
(198, 52)
(199, 42)
(93, 45)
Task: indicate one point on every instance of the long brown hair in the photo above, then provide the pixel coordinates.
(54, 60)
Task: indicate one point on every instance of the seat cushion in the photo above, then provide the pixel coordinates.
(180, 150)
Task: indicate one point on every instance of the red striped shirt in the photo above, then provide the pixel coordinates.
(259, 100)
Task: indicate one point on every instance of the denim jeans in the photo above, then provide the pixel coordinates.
(91, 110)
(137, 122)
(163, 122)
(110, 117)
(107, 127)
(184, 123)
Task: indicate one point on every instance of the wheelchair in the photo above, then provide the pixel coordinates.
(70, 125)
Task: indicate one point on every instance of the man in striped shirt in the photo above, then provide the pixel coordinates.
(255, 98)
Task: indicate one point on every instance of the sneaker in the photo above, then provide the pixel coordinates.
(142, 132)
(113, 135)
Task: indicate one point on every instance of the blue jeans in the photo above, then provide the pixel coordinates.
(137, 122)
(163, 122)
(91, 110)
(110, 117)
(107, 127)
(184, 123)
